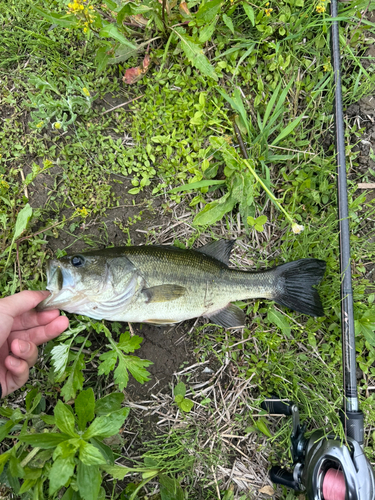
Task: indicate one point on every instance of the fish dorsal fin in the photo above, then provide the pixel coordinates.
(219, 250)
(164, 293)
(229, 317)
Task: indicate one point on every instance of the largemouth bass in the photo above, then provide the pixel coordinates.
(164, 284)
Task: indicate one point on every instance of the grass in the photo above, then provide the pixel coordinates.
(151, 168)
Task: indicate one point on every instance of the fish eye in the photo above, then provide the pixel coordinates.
(77, 261)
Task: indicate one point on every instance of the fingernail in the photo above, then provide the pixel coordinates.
(15, 362)
(23, 346)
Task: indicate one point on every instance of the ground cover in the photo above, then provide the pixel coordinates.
(80, 170)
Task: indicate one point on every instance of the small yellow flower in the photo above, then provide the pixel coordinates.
(57, 125)
(83, 212)
(268, 12)
(297, 228)
(85, 30)
(327, 66)
(84, 90)
(320, 8)
(4, 184)
(91, 7)
(267, 4)
(39, 125)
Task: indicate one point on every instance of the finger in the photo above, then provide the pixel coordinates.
(17, 374)
(21, 302)
(40, 334)
(25, 350)
(33, 318)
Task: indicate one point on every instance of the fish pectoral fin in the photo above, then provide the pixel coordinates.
(163, 293)
(229, 317)
(219, 250)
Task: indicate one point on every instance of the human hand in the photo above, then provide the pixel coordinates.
(22, 329)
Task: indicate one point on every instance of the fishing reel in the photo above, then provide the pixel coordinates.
(324, 467)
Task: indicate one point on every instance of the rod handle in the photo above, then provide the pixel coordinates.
(282, 476)
(353, 423)
(277, 407)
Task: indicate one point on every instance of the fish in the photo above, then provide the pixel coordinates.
(161, 284)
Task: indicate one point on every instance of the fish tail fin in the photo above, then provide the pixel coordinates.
(297, 280)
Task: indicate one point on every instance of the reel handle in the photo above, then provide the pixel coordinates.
(277, 407)
(282, 476)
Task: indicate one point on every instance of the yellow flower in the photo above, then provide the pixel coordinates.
(267, 4)
(84, 90)
(85, 30)
(91, 7)
(4, 184)
(268, 12)
(320, 8)
(83, 212)
(57, 125)
(39, 125)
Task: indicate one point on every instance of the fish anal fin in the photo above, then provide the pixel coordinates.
(229, 317)
(219, 250)
(163, 293)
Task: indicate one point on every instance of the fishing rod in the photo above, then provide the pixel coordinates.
(324, 466)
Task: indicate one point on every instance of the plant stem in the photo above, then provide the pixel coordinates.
(270, 194)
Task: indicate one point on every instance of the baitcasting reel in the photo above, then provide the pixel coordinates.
(323, 466)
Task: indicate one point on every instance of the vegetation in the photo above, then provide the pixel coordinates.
(72, 155)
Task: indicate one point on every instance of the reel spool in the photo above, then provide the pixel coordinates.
(324, 467)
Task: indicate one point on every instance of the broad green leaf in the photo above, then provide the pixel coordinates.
(84, 406)
(108, 362)
(108, 404)
(262, 219)
(102, 58)
(64, 419)
(107, 425)
(214, 211)
(263, 428)
(280, 320)
(23, 218)
(196, 185)
(170, 488)
(249, 12)
(128, 343)
(194, 53)
(44, 440)
(208, 10)
(104, 450)
(90, 455)
(60, 472)
(4, 457)
(89, 480)
(67, 448)
(228, 22)
(111, 31)
(179, 398)
(207, 31)
(180, 389)
(64, 20)
(136, 366)
(116, 471)
(75, 379)
(186, 405)
(6, 428)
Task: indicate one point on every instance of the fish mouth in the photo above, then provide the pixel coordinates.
(55, 280)
(61, 285)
